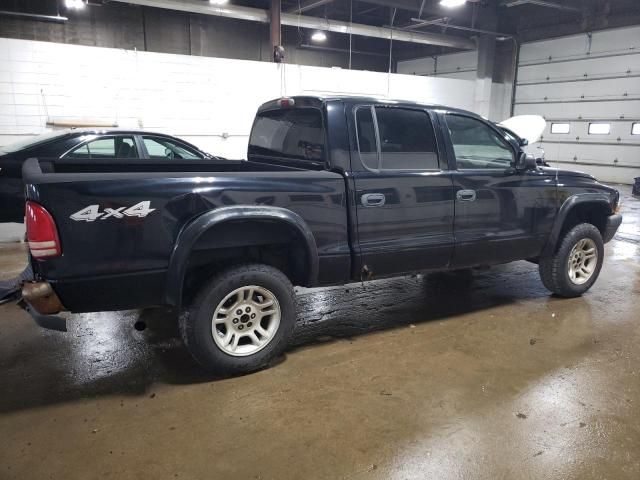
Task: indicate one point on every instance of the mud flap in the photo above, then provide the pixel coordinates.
(50, 322)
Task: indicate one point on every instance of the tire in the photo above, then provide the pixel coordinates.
(246, 322)
(556, 270)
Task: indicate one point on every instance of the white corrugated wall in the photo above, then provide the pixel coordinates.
(580, 80)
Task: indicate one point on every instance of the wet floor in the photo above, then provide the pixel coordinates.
(433, 377)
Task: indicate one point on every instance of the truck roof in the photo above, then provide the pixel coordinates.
(318, 100)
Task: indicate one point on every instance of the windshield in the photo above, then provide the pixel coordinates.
(32, 141)
(509, 134)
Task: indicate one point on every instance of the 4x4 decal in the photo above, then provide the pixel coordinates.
(93, 213)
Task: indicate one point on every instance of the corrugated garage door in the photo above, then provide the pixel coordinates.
(588, 89)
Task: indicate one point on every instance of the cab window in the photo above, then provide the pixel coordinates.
(391, 138)
(367, 143)
(407, 139)
(476, 145)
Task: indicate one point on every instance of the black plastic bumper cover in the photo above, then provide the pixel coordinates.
(50, 322)
(613, 222)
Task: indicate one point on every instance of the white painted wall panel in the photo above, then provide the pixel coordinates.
(620, 132)
(555, 48)
(444, 65)
(417, 66)
(198, 98)
(458, 61)
(601, 154)
(469, 75)
(591, 67)
(628, 109)
(604, 41)
(604, 70)
(463, 66)
(595, 89)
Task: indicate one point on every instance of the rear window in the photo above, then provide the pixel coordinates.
(33, 141)
(296, 133)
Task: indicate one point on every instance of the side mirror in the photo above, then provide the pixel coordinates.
(524, 142)
(525, 162)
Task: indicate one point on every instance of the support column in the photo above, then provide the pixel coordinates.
(277, 50)
(484, 76)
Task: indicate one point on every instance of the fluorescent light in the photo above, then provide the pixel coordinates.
(78, 4)
(452, 3)
(218, 2)
(319, 37)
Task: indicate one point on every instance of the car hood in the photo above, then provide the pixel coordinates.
(565, 173)
(529, 127)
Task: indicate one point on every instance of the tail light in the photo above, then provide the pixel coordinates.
(41, 232)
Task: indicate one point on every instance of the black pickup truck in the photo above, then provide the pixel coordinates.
(334, 190)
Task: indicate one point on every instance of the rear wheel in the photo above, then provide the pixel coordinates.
(576, 264)
(240, 320)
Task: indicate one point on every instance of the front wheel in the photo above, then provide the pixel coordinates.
(240, 320)
(576, 264)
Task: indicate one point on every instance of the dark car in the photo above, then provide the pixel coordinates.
(82, 143)
(334, 190)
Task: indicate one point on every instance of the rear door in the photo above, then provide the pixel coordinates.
(404, 193)
(500, 214)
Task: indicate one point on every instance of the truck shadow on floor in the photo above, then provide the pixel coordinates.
(103, 354)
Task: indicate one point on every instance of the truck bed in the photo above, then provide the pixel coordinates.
(139, 248)
(34, 168)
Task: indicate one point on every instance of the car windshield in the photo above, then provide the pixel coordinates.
(32, 141)
(510, 134)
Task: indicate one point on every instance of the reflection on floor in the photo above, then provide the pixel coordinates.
(434, 377)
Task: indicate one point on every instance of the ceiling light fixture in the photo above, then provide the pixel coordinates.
(319, 37)
(75, 4)
(452, 3)
(218, 2)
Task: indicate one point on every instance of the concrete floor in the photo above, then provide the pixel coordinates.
(435, 377)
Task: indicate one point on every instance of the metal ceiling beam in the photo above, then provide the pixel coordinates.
(542, 3)
(309, 5)
(426, 23)
(459, 27)
(306, 46)
(304, 21)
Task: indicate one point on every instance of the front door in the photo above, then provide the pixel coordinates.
(404, 193)
(500, 214)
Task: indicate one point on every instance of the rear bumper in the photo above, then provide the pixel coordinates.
(610, 229)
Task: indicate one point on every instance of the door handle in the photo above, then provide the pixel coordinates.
(372, 199)
(466, 195)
